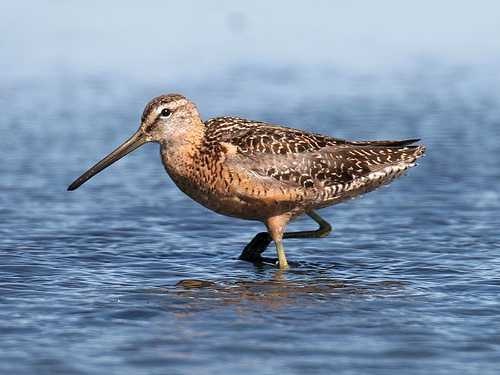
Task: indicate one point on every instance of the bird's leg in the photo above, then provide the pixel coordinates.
(280, 250)
(254, 249)
(276, 227)
(324, 228)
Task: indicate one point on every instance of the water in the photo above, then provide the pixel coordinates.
(127, 275)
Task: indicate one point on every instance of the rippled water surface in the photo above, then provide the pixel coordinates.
(128, 275)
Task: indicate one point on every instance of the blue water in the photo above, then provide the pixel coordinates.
(128, 275)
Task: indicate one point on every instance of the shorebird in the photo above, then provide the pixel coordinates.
(260, 171)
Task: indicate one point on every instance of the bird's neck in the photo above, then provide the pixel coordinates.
(180, 152)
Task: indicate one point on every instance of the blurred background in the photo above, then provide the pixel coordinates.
(127, 275)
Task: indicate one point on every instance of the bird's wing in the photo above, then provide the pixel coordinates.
(300, 159)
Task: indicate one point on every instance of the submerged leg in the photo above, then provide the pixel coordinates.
(254, 249)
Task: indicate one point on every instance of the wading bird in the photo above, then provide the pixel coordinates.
(259, 171)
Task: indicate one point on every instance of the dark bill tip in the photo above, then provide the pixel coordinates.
(127, 147)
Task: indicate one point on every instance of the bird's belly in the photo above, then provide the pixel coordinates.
(232, 206)
(227, 203)
(225, 200)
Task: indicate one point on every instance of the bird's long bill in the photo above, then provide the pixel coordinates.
(127, 147)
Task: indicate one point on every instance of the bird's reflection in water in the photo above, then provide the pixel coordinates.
(275, 293)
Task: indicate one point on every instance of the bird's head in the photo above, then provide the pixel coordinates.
(166, 118)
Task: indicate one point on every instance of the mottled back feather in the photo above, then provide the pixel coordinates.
(308, 160)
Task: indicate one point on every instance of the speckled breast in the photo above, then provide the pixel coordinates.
(214, 186)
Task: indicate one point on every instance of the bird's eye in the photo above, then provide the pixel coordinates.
(165, 112)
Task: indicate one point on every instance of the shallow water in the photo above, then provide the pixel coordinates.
(127, 274)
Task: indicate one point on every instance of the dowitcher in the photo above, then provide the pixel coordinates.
(260, 171)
